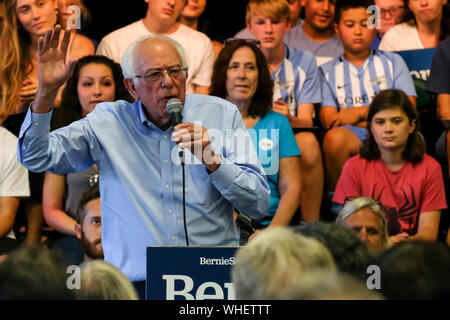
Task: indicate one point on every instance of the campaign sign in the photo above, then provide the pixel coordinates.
(418, 62)
(190, 273)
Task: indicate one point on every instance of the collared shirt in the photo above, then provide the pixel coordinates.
(141, 175)
(297, 79)
(344, 85)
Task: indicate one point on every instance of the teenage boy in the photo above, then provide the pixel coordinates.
(296, 90)
(317, 33)
(291, 38)
(350, 82)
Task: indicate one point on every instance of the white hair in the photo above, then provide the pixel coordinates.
(267, 265)
(127, 61)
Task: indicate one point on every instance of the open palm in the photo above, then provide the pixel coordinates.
(52, 53)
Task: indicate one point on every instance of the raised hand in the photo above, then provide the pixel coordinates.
(52, 68)
(52, 54)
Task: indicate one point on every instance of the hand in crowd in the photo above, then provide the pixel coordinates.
(398, 238)
(196, 139)
(349, 116)
(52, 53)
(28, 90)
(282, 107)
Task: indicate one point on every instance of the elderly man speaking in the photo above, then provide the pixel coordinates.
(136, 149)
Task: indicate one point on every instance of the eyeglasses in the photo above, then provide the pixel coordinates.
(155, 75)
(93, 181)
(393, 11)
(254, 41)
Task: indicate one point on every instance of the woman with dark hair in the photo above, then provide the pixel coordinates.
(423, 25)
(95, 79)
(392, 168)
(241, 76)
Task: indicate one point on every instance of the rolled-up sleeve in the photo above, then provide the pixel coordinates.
(240, 178)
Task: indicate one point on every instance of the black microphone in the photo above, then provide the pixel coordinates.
(174, 108)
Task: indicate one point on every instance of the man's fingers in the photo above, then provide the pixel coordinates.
(65, 41)
(55, 37)
(47, 39)
(71, 66)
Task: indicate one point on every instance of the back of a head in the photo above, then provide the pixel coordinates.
(34, 273)
(102, 281)
(415, 270)
(268, 263)
(329, 285)
(349, 252)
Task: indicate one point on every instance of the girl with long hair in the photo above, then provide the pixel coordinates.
(394, 169)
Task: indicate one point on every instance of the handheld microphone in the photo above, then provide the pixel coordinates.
(174, 108)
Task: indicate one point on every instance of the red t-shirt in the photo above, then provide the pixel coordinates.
(414, 189)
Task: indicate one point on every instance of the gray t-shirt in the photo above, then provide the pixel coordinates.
(296, 38)
(77, 184)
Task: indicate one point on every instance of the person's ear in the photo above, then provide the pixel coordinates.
(78, 231)
(129, 84)
(413, 126)
(336, 29)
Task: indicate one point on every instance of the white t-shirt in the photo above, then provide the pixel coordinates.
(401, 37)
(13, 176)
(199, 49)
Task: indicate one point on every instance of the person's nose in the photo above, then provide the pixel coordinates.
(166, 80)
(35, 13)
(268, 26)
(97, 90)
(171, 2)
(388, 126)
(363, 234)
(424, 3)
(325, 5)
(358, 29)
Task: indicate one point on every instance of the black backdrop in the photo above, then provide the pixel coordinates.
(224, 17)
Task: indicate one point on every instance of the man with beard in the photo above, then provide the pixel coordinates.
(89, 224)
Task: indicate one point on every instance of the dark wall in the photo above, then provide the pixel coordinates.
(222, 18)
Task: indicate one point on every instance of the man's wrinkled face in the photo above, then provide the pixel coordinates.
(156, 55)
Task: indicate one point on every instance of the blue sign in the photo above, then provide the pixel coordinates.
(190, 273)
(418, 62)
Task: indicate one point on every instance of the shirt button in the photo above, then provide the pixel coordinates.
(166, 161)
(167, 186)
(173, 238)
(170, 211)
(165, 137)
(36, 124)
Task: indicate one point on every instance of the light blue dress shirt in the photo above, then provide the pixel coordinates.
(141, 178)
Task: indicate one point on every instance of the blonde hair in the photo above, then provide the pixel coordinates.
(267, 265)
(274, 9)
(102, 281)
(12, 68)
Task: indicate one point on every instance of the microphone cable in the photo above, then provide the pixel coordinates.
(181, 154)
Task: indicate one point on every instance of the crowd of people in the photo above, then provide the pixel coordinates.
(300, 140)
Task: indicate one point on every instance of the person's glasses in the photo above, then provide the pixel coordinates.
(155, 75)
(93, 181)
(254, 41)
(393, 11)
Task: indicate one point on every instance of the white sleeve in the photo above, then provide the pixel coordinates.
(13, 176)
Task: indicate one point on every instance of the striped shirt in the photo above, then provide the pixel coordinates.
(297, 79)
(345, 86)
